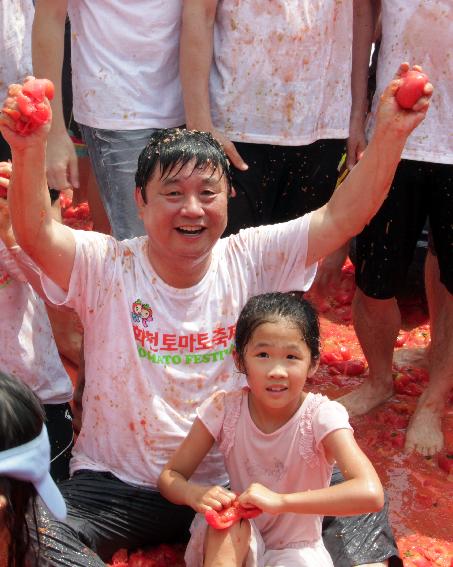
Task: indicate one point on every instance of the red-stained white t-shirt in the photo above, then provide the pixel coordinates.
(154, 353)
(421, 33)
(16, 19)
(125, 63)
(27, 345)
(281, 71)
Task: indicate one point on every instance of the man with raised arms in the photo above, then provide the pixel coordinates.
(144, 382)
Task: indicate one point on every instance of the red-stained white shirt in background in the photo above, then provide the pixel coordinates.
(281, 71)
(16, 19)
(421, 33)
(125, 63)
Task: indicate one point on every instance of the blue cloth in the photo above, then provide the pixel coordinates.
(114, 155)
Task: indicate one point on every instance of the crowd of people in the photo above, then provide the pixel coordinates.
(214, 131)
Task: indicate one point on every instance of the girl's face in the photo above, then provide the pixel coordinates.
(277, 363)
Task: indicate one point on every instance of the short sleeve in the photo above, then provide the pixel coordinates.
(329, 417)
(9, 265)
(212, 414)
(92, 274)
(278, 254)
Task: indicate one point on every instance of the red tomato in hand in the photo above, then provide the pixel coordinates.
(223, 519)
(29, 111)
(228, 516)
(37, 89)
(411, 89)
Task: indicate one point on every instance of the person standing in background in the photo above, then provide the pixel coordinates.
(272, 82)
(16, 18)
(422, 188)
(125, 84)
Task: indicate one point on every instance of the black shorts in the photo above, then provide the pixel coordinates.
(362, 539)
(105, 514)
(61, 437)
(385, 248)
(282, 182)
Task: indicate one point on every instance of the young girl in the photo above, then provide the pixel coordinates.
(279, 444)
(24, 470)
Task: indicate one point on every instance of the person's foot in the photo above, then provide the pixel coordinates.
(370, 394)
(424, 434)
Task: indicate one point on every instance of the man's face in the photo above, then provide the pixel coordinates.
(185, 213)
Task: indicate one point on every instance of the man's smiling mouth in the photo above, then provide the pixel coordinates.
(190, 230)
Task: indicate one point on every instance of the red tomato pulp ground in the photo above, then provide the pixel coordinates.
(420, 492)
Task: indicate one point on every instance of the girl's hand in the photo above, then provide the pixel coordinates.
(257, 495)
(391, 118)
(203, 498)
(8, 125)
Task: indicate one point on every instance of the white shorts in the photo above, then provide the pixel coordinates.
(311, 554)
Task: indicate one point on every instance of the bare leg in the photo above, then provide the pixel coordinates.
(329, 273)
(377, 323)
(424, 434)
(227, 548)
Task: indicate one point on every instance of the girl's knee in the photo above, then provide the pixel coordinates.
(227, 547)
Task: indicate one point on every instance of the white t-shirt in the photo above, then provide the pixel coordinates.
(27, 346)
(282, 70)
(125, 67)
(154, 353)
(421, 33)
(16, 19)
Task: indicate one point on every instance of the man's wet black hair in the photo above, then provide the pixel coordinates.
(168, 148)
(270, 307)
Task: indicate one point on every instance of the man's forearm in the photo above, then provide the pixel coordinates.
(195, 61)
(48, 243)
(365, 188)
(28, 198)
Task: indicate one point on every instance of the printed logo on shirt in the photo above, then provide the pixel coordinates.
(141, 312)
(5, 279)
(274, 471)
(194, 348)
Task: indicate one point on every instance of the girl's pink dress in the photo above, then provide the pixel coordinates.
(290, 459)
